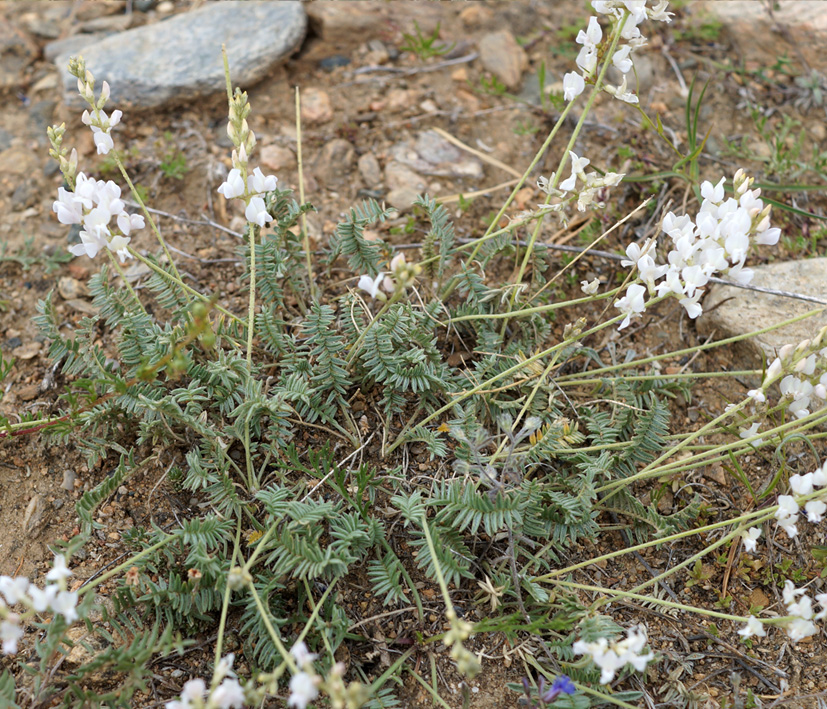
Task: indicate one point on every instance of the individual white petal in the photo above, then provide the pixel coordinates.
(370, 285)
(573, 85)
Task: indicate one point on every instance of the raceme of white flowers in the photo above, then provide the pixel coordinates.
(54, 597)
(635, 12)
(589, 193)
(225, 693)
(614, 656)
(717, 241)
(800, 622)
(93, 203)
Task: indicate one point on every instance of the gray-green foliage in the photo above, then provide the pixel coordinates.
(333, 523)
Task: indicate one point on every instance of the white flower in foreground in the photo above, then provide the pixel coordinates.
(14, 589)
(258, 182)
(257, 213)
(631, 304)
(10, 633)
(590, 288)
(60, 570)
(65, 603)
(815, 510)
(228, 695)
(233, 186)
(573, 85)
(611, 658)
(303, 690)
(193, 691)
(371, 285)
(750, 538)
(802, 484)
(787, 514)
(42, 599)
(302, 655)
(753, 627)
(757, 395)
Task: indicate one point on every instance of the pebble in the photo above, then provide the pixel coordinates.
(369, 170)
(68, 480)
(25, 195)
(502, 56)
(28, 351)
(70, 288)
(335, 162)
(732, 311)
(17, 52)
(180, 60)
(334, 61)
(316, 106)
(276, 157)
(431, 154)
(83, 306)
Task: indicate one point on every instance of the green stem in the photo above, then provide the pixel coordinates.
(131, 562)
(271, 629)
(225, 604)
(306, 236)
(125, 281)
(251, 310)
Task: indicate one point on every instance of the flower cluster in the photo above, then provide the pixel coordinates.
(54, 597)
(716, 241)
(226, 692)
(239, 184)
(800, 623)
(631, 13)
(304, 685)
(100, 123)
(590, 192)
(611, 657)
(93, 204)
(402, 275)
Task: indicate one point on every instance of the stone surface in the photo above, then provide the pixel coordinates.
(370, 171)
(503, 57)
(732, 311)
(179, 59)
(276, 157)
(316, 106)
(17, 52)
(431, 154)
(334, 162)
(404, 185)
(796, 28)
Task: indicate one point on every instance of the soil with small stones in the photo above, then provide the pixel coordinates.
(374, 109)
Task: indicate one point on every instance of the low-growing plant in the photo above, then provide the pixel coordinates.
(536, 442)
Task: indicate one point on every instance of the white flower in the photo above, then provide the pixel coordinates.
(611, 659)
(621, 92)
(820, 476)
(801, 628)
(753, 627)
(371, 285)
(59, 570)
(128, 222)
(65, 603)
(593, 34)
(257, 182)
(621, 59)
(14, 589)
(631, 304)
(714, 193)
(42, 599)
(773, 371)
(750, 538)
(257, 213)
(103, 141)
(750, 432)
(193, 691)
(757, 395)
(68, 208)
(233, 186)
(302, 690)
(802, 484)
(10, 633)
(815, 510)
(228, 695)
(590, 288)
(787, 507)
(302, 655)
(573, 85)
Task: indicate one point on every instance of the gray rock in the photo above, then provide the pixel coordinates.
(71, 46)
(17, 52)
(503, 57)
(431, 154)
(179, 60)
(25, 195)
(370, 171)
(5, 139)
(334, 163)
(732, 311)
(404, 185)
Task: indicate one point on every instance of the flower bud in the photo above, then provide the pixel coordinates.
(773, 370)
(785, 352)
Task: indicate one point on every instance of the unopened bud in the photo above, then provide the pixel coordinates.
(785, 352)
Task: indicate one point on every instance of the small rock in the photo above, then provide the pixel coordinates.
(17, 52)
(398, 176)
(402, 198)
(83, 306)
(431, 154)
(502, 56)
(316, 106)
(108, 25)
(369, 170)
(399, 99)
(57, 504)
(13, 342)
(25, 195)
(333, 62)
(275, 158)
(143, 5)
(460, 74)
(70, 288)
(68, 480)
(28, 351)
(178, 60)
(732, 311)
(5, 139)
(335, 162)
(474, 15)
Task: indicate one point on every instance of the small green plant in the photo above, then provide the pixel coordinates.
(424, 46)
(174, 162)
